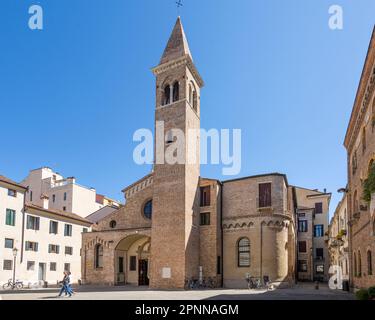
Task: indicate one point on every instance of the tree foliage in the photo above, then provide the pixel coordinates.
(369, 184)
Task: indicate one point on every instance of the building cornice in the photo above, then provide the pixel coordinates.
(185, 60)
(363, 96)
(33, 209)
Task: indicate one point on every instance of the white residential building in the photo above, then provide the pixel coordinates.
(64, 193)
(53, 241)
(12, 197)
(48, 241)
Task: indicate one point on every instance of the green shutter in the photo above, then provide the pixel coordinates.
(10, 218)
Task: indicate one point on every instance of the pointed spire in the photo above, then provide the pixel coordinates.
(177, 46)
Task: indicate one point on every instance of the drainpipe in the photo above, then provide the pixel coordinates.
(261, 252)
(222, 235)
(23, 224)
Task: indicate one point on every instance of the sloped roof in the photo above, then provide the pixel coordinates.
(101, 214)
(177, 46)
(9, 181)
(60, 213)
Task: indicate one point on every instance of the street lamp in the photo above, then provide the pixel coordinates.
(15, 250)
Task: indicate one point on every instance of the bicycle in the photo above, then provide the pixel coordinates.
(10, 285)
(210, 283)
(253, 283)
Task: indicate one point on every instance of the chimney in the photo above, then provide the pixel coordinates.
(325, 190)
(45, 201)
(71, 180)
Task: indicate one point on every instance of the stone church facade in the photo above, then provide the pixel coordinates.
(177, 226)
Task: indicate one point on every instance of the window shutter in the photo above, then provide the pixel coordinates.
(28, 222)
(7, 217)
(49, 248)
(265, 195)
(37, 223)
(36, 246)
(208, 196)
(57, 249)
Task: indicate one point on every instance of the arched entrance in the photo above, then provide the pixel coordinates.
(132, 260)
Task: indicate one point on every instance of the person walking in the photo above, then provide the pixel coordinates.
(70, 283)
(65, 285)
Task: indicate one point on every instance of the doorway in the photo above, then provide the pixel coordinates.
(42, 272)
(120, 273)
(143, 273)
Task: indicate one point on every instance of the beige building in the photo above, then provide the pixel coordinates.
(338, 244)
(360, 145)
(312, 250)
(64, 194)
(177, 227)
(48, 241)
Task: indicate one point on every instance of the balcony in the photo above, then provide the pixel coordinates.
(356, 215)
(334, 243)
(342, 233)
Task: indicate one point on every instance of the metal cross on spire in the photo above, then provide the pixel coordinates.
(179, 4)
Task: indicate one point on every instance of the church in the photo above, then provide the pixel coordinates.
(177, 227)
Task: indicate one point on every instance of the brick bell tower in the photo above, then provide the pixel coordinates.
(175, 224)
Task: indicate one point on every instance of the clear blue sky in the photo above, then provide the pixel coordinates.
(72, 95)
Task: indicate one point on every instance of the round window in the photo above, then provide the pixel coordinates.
(147, 209)
(112, 224)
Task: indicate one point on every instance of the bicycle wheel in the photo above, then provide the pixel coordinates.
(6, 286)
(19, 286)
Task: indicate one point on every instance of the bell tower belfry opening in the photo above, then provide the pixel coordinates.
(175, 225)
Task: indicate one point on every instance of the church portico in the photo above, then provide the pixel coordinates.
(116, 257)
(132, 260)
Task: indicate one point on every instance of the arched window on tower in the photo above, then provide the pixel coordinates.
(190, 94)
(195, 100)
(243, 250)
(98, 256)
(176, 91)
(166, 95)
(369, 263)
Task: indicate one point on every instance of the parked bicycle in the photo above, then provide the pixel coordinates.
(253, 283)
(10, 285)
(197, 284)
(256, 283)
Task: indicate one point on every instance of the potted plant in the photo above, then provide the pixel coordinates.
(369, 184)
(362, 294)
(371, 293)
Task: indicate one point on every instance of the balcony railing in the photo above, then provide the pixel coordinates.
(335, 243)
(356, 215)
